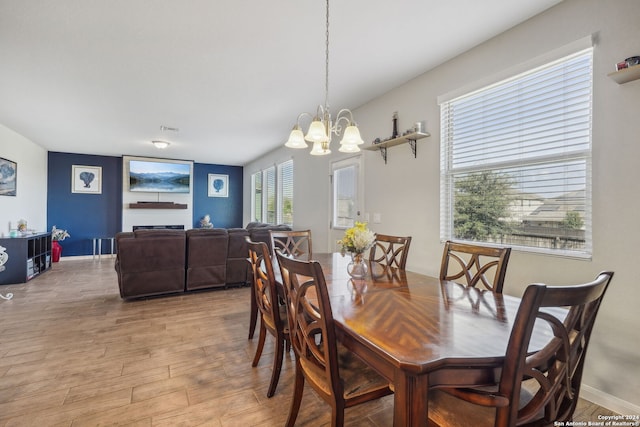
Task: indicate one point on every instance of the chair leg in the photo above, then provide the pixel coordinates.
(337, 416)
(254, 313)
(277, 366)
(263, 333)
(297, 396)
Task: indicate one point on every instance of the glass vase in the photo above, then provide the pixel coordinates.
(357, 268)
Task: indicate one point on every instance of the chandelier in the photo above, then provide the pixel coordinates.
(322, 126)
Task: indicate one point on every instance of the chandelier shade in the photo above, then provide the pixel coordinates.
(351, 136)
(322, 127)
(296, 138)
(320, 149)
(317, 132)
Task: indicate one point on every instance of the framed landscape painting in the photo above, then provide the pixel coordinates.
(218, 185)
(86, 179)
(8, 177)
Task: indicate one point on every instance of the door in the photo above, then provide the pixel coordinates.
(346, 197)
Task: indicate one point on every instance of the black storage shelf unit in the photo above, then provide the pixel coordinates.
(29, 256)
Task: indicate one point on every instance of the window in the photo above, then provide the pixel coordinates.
(272, 194)
(516, 160)
(285, 193)
(344, 196)
(256, 191)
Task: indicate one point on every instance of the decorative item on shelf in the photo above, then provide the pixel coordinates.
(205, 222)
(629, 62)
(632, 61)
(57, 234)
(22, 226)
(394, 133)
(4, 257)
(322, 126)
(356, 241)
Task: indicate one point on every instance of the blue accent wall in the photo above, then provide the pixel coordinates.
(84, 216)
(225, 212)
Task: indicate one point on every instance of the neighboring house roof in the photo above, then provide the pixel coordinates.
(555, 210)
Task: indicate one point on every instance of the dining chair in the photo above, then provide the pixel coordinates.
(294, 244)
(338, 377)
(475, 264)
(533, 389)
(390, 250)
(273, 317)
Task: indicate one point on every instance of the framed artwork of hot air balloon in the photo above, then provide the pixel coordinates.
(86, 179)
(218, 185)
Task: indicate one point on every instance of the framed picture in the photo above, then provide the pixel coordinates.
(86, 179)
(218, 185)
(8, 177)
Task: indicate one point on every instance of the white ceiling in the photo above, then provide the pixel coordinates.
(102, 76)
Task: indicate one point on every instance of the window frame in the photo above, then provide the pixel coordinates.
(271, 189)
(448, 171)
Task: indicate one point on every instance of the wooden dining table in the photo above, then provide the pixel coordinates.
(420, 332)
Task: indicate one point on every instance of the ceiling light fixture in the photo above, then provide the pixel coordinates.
(160, 144)
(164, 144)
(321, 127)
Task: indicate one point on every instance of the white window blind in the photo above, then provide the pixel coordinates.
(272, 194)
(256, 191)
(516, 160)
(345, 192)
(285, 193)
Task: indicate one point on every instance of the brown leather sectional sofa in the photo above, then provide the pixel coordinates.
(157, 262)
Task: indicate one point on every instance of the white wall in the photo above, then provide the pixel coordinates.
(30, 202)
(406, 190)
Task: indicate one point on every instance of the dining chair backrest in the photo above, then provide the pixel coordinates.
(539, 388)
(264, 283)
(311, 324)
(294, 244)
(475, 264)
(339, 377)
(559, 365)
(267, 301)
(390, 250)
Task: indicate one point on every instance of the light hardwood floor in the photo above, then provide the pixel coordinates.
(72, 353)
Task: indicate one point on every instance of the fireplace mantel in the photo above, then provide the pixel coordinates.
(157, 205)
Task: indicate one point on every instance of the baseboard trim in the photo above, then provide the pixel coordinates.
(80, 257)
(608, 401)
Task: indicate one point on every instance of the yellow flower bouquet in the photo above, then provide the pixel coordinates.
(357, 239)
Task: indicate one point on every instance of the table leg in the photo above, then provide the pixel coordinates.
(93, 247)
(410, 400)
(112, 239)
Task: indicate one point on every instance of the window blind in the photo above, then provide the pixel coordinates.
(516, 157)
(285, 193)
(272, 194)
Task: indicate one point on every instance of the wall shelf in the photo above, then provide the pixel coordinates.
(409, 138)
(626, 74)
(157, 205)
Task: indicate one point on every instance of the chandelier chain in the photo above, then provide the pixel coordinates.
(322, 126)
(326, 69)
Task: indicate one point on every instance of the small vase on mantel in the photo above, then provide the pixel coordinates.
(357, 268)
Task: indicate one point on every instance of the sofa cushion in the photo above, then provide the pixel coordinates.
(207, 250)
(238, 265)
